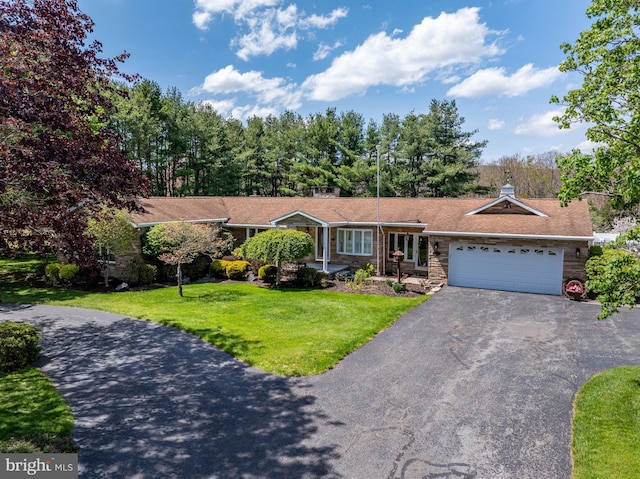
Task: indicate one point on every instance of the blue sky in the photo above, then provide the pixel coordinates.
(498, 59)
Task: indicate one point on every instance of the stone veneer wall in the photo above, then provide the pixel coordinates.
(573, 267)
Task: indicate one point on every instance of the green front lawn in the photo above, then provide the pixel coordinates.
(283, 331)
(33, 416)
(606, 426)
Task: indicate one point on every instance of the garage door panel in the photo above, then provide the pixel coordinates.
(509, 268)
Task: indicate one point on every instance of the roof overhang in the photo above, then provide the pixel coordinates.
(205, 221)
(468, 234)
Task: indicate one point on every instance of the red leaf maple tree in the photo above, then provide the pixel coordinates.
(59, 160)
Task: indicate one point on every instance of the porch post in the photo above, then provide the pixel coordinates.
(325, 245)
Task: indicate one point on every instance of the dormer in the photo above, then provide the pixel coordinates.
(506, 204)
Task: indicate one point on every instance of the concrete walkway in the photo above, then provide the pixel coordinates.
(471, 384)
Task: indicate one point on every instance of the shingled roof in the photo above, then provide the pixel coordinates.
(433, 215)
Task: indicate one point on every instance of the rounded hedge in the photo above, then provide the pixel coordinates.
(218, 268)
(69, 273)
(237, 269)
(268, 273)
(18, 345)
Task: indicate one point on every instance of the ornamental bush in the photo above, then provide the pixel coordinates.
(268, 273)
(18, 345)
(52, 271)
(218, 268)
(594, 250)
(309, 277)
(68, 273)
(238, 269)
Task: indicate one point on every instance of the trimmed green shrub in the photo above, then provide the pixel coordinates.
(148, 273)
(18, 345)
(268, 273)
(309, 277)
(238, 269)
(198, 268)
(138, 272)
(52, 272)
(218, 268)
(390, 283)
(594, 250)
(68, 273)
(399, 288)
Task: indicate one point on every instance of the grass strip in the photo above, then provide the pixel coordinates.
(606, 426)
(33, 416)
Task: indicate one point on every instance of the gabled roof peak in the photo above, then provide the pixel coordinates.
(507, 202)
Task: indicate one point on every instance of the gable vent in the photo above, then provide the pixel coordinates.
(507, 190)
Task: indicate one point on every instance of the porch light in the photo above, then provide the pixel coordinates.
(577, 252)
(435, 247)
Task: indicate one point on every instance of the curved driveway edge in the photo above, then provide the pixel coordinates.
(470, 384)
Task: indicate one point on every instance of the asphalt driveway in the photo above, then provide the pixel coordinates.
(471, 384)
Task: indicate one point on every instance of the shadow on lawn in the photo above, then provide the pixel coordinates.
(23, 293)
(151, 401)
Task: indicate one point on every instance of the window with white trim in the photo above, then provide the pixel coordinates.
(402, 242)
(355, 242)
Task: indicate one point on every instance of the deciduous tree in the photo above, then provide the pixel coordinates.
(179, 243)
(277, 246)
(607, 55)
(59, 162)
(113, 234)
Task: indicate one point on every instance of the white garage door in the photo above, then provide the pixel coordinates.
(507, 268)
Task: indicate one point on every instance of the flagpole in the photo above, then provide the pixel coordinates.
(378, 210)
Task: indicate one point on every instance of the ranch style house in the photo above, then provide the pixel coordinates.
(505, 243)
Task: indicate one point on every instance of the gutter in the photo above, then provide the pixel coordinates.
(212, 220)
(506, 235)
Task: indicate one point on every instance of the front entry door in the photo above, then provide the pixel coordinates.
(422, 258)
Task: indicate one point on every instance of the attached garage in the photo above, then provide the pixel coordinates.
(506, 267)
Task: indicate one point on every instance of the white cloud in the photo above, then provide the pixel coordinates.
(202, 19)
(237, 8)
(452, 39)
(267, 95)
(587, 147)
(323, 50)
(323, 21)
(540, 125)
(272, 31)
(495, 125)
(264, 25)
(223, 107)
(494, 81)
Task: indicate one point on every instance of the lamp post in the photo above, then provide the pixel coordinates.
(378, 211)
(398, 256)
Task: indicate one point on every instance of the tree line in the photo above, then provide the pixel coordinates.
(187, 148)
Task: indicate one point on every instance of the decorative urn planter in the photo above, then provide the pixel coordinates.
(574, 289)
